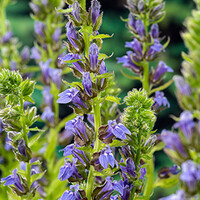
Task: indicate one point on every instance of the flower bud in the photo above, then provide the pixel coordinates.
(93, 56)
(87, 83)
(95, 10)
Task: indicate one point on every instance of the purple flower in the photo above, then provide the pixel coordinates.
(106, 158)
(78, 128)
(130, 168)
(95, 10)
(55, 75)
(132, 22)
(68, 170)
(68, 95)
(182, 86)
(123, 187)
(77, 153)
(180, 195)
(90, 118)
(14, 180)
(47, 97)
(25, 53)
(118, 130)
(76, 10)
(22, 147)
(72, 194)
(140, 28)
(103, 68)
(87, 83)
(56, 34)
(161, 69)
(6, 38)
(142, 173)
(173, 141)
(45, 69)
(13, 65)
(34, 7)
(71, 34)
(35, 53)
(1, 126)
(136, 46)
(48, 115)
(71, 56)
(157, 47)
(160, 100)
(128, 61)
(186, 124)
(190, 175)
(39, 28)
(154, 31)
(93, 56)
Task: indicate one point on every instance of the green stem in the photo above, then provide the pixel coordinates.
(28, 174)
(146, 76)
(3, 17)
(150, 178)
(83, 4)
(91, 177)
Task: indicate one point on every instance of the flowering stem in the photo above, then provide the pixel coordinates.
(97, 121)
(146, 77)
(28, 175)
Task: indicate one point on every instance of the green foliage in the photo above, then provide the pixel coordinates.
(138, 116)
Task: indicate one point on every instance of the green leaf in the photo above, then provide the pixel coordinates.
(131, 77)
(86, 29)
(29, 99)
(100, 36)
(186, 57)
(73, 84)
(36, 129)
(158, 146)
(68, 10)
(104, 56)
(38, 176)
(113, 99)
(72, 61)
(117, 143)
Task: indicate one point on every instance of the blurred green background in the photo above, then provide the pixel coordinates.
(177, 10)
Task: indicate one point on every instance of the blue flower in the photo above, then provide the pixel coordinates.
(186, 124)
(25, 53)
(130, 168)
(76, 10)
(47, 97)
(118, 130)
(93, 56)
(140, 28)
(161, 69)
(45, 70)
(39, 28)
(35, 53)
(154, 31)
(14, 180)
(106, 158)
(72, 194)
(55, 75)
(48, 115)
(159, 101)
(6, 38)
(71, 34)
(56, 34)
(182, 86)
(95, 10)
(87, 83)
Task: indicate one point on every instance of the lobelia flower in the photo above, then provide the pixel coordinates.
(130, 168)
(118, 130)
(103, 68)
(56, 34)
(47, 97)
(186, 124)
(132, 22)
(25, 54)
(180, 195)
(160, 100)
(48, 115)
(13, 66)
(78, 128)
(6, 38)
(71, 34)
(55, 75)
(140, 5)
(39, 28)
(93, 56)
(14, 180)
(22, 147)
(161, 69)
(69, 170)
(123, 187)
(35, 53)
(76, 10)
(140, 28)
(127, 61)
(77, 153)
(190, 175)
(45, 69)
(136, 46)
(182, 86)
(34, 7)
(95, 10)
(71, 56)
(173, 141)
(107, 157)
(154, 31)
(166, 171)
(71, 195)
(87, 83)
